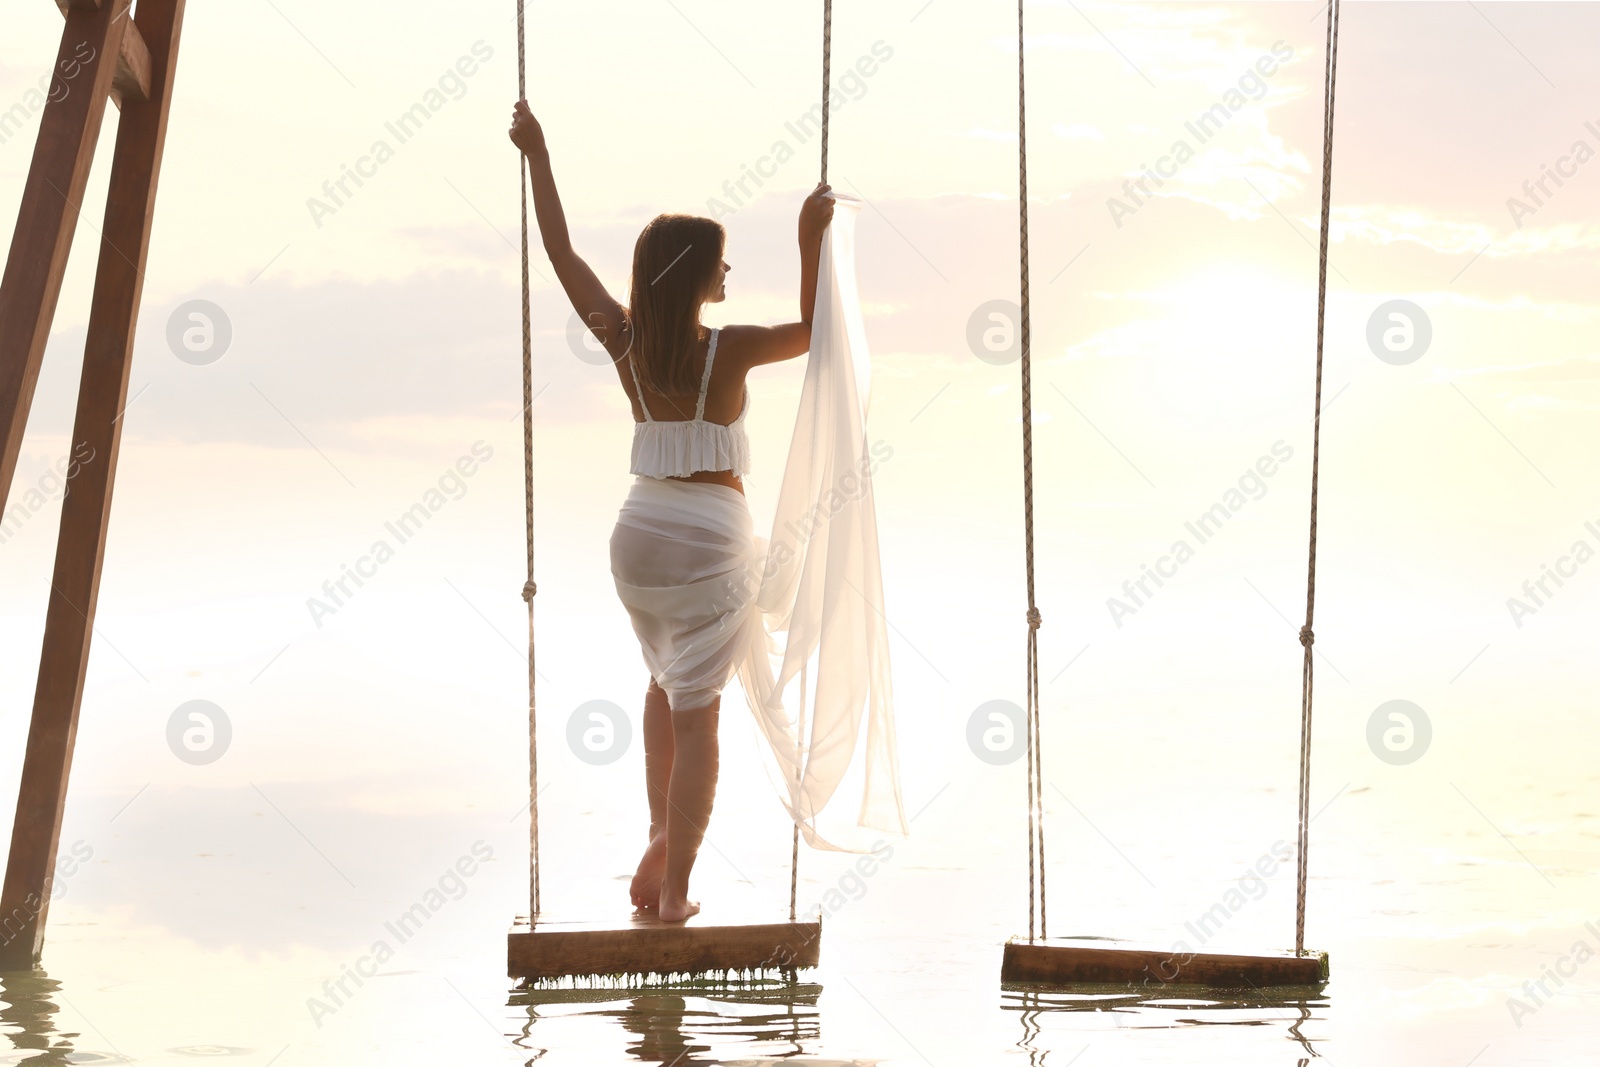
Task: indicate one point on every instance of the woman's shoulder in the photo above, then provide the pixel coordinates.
(732, 340)
(736, 338)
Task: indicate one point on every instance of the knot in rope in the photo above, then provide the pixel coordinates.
(528, 589)
(1306, 636)
(1033, 618)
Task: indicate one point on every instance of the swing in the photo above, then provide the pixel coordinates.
(542, 950)
(1082, 961)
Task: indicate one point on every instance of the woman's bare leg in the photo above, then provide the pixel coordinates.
(689, 797)
(658, 749)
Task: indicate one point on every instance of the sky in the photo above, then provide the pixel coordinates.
(374, 342)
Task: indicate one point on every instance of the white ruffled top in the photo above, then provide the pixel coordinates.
(676, 448)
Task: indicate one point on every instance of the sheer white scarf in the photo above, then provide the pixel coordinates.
(821, 586)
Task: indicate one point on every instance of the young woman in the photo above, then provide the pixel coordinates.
(683, 553)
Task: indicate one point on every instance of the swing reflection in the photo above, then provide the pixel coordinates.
(1170, 1008)
(688, 1023)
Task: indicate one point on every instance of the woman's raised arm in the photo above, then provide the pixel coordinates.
(596, 307)
(759, 345)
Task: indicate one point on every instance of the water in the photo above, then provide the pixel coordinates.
(1422, 967)
(220, 904)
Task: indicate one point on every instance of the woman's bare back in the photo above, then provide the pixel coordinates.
(724, 396)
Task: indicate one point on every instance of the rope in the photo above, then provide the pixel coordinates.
(827, 67)
(528, 588)
(827, 70)
(794, 855)
(1036, 879)
(1307, 638)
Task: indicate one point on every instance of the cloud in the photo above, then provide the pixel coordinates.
(1546, 385)
(1578, 369)
(319, 362)
(1384, 224)
(373, 365)
(982, 134)
(1077, 131)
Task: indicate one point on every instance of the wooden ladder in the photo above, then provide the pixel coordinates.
(111, 51)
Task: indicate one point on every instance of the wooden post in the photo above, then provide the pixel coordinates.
(68, 132)
(102, 392)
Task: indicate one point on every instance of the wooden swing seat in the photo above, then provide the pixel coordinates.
(1066, 961)
(641, 944)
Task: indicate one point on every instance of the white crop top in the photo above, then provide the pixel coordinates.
(668, 448)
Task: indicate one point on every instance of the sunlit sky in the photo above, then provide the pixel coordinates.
(1173, 346)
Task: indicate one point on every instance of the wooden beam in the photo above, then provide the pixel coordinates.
(1069, 961)
(86, 509)
(648, 946)
(132, 80)
(131, 83)
(48, 215)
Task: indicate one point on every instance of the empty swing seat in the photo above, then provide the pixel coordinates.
(1069, 961)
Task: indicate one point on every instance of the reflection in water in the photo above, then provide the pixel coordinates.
(27, 1019)
(1171, 1007)
(27, 1022)
(682, 1024)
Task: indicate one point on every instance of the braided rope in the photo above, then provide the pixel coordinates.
(1036, 878)
(794, 846)
(827, 69)
(528, 588)
(1307, 638)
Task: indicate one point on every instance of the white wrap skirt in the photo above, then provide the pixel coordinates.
(687, 567)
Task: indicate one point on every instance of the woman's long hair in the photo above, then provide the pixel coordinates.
(675, 263)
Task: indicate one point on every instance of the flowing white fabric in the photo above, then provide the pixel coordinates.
(821, 585)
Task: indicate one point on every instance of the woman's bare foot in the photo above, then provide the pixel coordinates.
(675, 909)
(646, 887)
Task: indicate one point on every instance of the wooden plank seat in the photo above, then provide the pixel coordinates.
(779, 993)
(639, 945)
(1071, 961)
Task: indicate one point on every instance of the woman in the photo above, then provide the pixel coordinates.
(683, 554)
